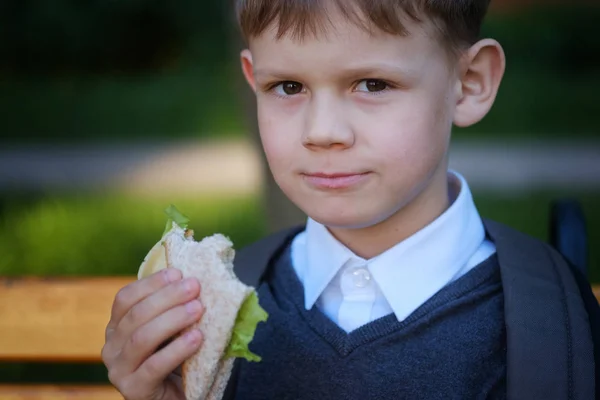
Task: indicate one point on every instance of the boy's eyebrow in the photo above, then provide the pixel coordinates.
(273, 73)
(364, 71)
(379, 68)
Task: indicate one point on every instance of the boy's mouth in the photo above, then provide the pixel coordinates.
(340, 180)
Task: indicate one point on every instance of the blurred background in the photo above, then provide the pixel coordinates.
(110, 111)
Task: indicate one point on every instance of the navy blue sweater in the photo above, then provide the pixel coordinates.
(452, 347)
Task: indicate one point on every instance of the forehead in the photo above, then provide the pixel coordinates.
(344, 43)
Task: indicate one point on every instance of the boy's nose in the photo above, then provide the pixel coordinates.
(326, 126)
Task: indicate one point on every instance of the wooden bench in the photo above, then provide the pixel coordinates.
(59, 320)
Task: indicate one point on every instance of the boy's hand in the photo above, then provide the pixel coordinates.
(145, 315)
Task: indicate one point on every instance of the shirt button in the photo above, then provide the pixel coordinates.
(361, 277)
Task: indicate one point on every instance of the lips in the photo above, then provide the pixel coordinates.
(336, 180)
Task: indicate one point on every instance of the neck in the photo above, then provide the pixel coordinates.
(423, 209)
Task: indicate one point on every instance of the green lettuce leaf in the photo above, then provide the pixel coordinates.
(175, 216)
(249, 315)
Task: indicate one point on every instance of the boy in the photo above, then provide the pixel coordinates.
(395, 288)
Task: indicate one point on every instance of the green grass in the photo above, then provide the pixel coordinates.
(108, 235)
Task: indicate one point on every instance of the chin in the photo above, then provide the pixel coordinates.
(344, 217)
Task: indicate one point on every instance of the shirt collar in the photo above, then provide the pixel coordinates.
(414, 269)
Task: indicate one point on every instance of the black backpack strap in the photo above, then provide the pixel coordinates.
(251, 265)
(550, 353)
(593, 310)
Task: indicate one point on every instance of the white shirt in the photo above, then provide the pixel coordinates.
(353, 291)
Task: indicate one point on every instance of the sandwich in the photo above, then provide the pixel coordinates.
(232, 310)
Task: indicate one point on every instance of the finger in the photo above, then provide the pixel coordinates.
(136, 291)
(146, 339)
(125, 299)
(154, 305)
(162, 363)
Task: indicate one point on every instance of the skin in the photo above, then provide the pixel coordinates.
(344, 102)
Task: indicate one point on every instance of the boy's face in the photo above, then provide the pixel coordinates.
(354, 127)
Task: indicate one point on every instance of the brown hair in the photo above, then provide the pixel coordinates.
(457, 22)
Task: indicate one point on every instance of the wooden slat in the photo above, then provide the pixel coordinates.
(55, 319)
(596, 289)
(60, 319)
(50, 392)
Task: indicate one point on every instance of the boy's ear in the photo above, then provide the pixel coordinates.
(482, 70)
(248, 68)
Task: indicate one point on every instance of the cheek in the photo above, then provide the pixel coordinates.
(277, 141)
(414, 130)
(268, 129)
(413, 140)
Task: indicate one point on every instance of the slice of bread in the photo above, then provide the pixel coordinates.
(220, 384)
(210, 260)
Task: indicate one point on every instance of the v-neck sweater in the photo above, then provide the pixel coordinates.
(451, 347)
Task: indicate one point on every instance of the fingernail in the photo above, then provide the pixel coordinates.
(189, 285)
(193, 307)
(193, 336)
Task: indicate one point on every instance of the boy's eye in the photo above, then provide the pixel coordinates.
(288, 88)
(371, 85)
